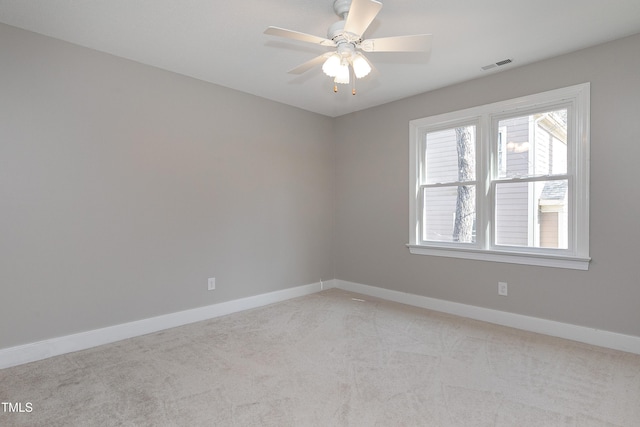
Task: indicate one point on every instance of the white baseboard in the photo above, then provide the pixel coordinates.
(583, 334)
(31, 352)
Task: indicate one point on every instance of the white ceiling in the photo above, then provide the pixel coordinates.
(222, 41)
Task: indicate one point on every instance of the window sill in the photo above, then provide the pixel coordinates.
(574, 263)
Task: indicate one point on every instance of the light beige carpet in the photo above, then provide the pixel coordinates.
(330, 360)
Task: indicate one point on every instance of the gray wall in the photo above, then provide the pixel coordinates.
(373, 188)
(124, 187)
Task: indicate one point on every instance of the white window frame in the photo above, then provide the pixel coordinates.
(576, 256)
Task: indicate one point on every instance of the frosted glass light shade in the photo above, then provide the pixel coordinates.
(343, 75)
(360, 66)
(331, 66)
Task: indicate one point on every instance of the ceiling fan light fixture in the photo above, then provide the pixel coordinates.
(361, 67)
(345, 65)
(331, 66)
(343, 75)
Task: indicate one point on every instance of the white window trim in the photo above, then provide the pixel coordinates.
(577, 255)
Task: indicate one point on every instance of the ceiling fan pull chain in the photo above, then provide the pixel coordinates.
(353, 81)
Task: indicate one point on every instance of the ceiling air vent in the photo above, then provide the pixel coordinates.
(497, 64)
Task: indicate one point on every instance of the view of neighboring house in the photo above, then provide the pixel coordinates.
(529, 175)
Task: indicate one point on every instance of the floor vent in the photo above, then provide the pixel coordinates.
(497, 64)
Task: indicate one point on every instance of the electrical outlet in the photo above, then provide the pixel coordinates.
(502, 288)
(211, 284)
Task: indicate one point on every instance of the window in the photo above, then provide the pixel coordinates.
(505, 182)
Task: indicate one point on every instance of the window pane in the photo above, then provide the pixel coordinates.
(449, 214)
(451, 155)
(533, 145)
(532, 214)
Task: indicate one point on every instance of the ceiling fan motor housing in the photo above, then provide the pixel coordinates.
(338, 35)
(335, 30)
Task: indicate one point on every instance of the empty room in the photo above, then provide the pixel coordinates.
(319, 213)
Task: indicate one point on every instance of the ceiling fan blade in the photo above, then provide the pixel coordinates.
(361, 14)
(415, 43)
(310, 64)
(296, 35)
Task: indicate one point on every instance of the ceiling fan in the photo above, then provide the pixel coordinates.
(346, 36)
